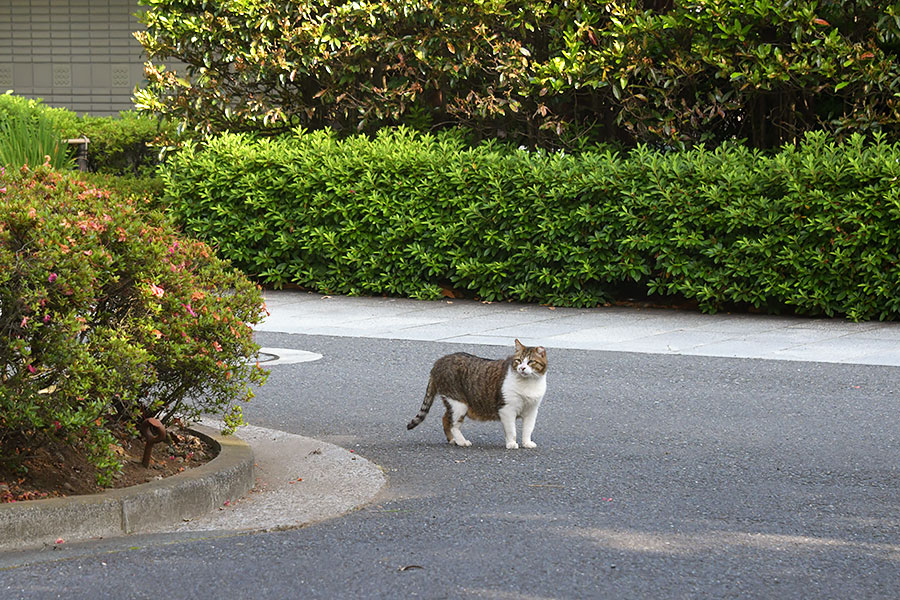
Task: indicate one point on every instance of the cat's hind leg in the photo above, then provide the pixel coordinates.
(453, 418)
(448, 424)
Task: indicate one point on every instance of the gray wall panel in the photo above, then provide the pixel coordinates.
(77, 54)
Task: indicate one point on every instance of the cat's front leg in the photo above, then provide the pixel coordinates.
(528, 420)
(508, 420)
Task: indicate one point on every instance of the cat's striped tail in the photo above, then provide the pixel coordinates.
(426, 405)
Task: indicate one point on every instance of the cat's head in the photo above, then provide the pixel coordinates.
(529, 361)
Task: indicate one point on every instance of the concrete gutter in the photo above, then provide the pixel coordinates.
(146, 507)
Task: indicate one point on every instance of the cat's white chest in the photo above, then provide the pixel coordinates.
(523, 392)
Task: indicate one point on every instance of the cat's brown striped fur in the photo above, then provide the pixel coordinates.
(487, 390)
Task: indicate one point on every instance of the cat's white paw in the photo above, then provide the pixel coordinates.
(529, 444)
(463, 443)
(511, 445)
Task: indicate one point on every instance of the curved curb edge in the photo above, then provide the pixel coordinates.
(299, 481)
(144, 507)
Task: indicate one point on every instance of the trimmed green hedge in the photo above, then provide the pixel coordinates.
(125, 144)
(815, 228)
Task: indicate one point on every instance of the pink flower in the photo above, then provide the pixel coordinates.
(190, 310)
(24, 323)
(157, 291)
(217, 346)
(46, 318)
(31, 369)
(52, 277)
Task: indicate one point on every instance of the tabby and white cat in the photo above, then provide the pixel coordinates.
(488, 390)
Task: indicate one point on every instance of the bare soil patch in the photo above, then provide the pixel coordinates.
(60, 470)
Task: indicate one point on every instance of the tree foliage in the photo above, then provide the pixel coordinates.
(710, 70)
(540, 72)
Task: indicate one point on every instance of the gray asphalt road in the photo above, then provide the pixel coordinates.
(655, 477)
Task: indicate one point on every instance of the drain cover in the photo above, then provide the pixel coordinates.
(271, 357)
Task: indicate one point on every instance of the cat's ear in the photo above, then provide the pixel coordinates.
(519, 345)
(542, 352)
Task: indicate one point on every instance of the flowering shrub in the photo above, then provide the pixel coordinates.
(108, 315)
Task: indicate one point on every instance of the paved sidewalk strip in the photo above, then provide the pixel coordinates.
(620, 329)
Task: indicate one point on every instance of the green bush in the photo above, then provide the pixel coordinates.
(815, 228)
(31, 133)
(11, 106)
(108, 315)
(122, 145)
(125, 144)
(24, 141)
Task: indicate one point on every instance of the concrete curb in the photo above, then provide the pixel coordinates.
(134, 509)
(299, 480)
